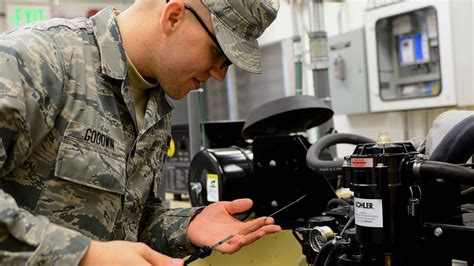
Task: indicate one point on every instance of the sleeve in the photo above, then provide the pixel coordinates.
(165, 230)
(31, 85)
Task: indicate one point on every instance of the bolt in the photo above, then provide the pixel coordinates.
(438, 231)
(196, 187)
(273, 163)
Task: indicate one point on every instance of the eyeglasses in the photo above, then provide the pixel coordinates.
(226, 62)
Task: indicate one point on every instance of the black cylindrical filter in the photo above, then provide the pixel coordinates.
(220, 174)
(380, 198)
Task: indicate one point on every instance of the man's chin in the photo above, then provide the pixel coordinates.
(176, 94)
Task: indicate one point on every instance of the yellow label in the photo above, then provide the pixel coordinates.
(171, 149)
(212, 176)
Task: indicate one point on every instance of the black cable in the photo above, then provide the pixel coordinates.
(331, 253)
(324, 253)
(347, 224)
(202, 253)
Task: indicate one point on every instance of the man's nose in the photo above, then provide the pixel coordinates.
(218, 73)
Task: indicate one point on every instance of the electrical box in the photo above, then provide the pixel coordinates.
(414, 55)
(348, 73)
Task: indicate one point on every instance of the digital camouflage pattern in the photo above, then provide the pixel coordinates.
(238, 24)
(72, 165)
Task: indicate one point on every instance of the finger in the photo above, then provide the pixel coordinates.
(149, 254)
(265, 230)
(270, 229)
(269, 220)
(173, 262)
(236, 243)
(155, 258)
(232, 246)
(238, 206)
(253, 225)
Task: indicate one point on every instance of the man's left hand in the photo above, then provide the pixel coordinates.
(215, 222)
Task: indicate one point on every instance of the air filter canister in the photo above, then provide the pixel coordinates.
(220, 175)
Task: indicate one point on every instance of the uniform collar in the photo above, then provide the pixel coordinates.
(157, 108)
(114, 61)
(107, 34)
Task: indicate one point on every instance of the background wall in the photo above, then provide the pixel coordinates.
(341, 17)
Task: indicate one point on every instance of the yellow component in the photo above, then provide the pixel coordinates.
(280, 249)
(383, 138)
(171, 149)
(344, 193)
(388, 260)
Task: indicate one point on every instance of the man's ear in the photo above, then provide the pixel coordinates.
(172, 16)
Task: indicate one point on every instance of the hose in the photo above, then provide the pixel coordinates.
(334, 203)
(467, 195)
(433, 169)
(323, 253)
(458, 144)
(324, 167)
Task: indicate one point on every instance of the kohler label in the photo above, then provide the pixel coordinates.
(368, 212)
(365, 205)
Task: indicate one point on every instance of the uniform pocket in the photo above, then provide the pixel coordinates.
(89, 182)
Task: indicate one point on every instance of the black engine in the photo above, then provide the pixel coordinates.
(404, 208)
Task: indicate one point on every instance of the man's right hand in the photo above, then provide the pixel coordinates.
(124, 253)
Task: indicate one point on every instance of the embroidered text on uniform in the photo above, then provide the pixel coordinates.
(99, 138)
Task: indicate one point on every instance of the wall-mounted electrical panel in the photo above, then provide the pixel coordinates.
(414, 55)
(348, 73)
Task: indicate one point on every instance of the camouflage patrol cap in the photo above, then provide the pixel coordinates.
(237, 24)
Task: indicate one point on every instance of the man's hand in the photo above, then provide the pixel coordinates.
(216, 222)
(124, 253)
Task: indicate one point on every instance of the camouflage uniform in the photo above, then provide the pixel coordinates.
(73, 166)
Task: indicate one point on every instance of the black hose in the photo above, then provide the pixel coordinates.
(323, 253)
(467, 195)
(334, 203)
(333, 253)
(323, 167)
(458, 144)
(433, 169)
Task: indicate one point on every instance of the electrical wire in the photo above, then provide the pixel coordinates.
(347, 224)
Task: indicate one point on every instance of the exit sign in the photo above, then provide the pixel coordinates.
(19, 15)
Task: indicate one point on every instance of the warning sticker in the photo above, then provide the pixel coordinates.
(362, 162)
(368, 212)
(212, 188)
